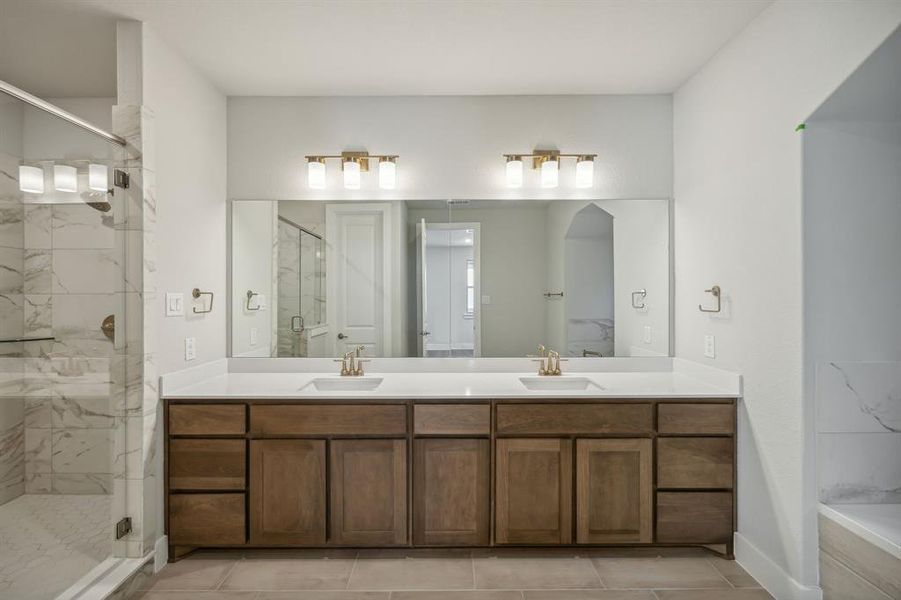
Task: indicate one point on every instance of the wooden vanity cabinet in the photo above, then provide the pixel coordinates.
(287, 492)
(368, 492)
(614, 491)
(533, 503)
(451, 485)
(454, 473)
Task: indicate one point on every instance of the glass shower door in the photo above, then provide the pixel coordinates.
(62, 350)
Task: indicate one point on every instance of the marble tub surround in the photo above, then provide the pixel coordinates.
(859, 432)
(450, 378)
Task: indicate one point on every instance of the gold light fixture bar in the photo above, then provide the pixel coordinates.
(540, 156)
(353, 163)
(362, 158)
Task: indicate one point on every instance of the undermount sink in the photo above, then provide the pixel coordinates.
(555, 382)
(346, 384)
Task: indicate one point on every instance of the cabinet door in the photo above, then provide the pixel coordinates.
(534, 491)
(613, 491)
(369, 492)
(287, 492)
(450, 492)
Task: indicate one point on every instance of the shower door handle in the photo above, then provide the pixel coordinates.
(299, 320)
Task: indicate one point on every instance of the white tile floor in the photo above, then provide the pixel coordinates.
(47, 542)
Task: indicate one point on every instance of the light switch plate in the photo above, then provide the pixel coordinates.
(709, 346)
(647, 334)
(175, 304)
(486, 299)
(253, 336)
(190, 348)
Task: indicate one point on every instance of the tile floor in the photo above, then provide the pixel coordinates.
(47, 542)
(600, 574)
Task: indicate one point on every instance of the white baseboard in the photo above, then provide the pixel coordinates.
(160, 553)
(771, 576)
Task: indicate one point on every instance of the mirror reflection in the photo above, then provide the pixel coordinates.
(450, 279)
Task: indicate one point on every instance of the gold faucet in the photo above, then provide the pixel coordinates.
(548, 361)
(351, 363)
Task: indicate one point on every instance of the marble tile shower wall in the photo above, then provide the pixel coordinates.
(73, 280)
(859, 432)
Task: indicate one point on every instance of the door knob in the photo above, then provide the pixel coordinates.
(341, 336)
(425, 333)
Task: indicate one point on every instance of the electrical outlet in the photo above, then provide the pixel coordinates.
(175, 304)
(647, 334)
(709, 346)
(254, 334)
(190, 348)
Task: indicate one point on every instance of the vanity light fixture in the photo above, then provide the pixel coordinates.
(316, 172)
(98, 177)
(65, 178)
(31, 179)
(547, 162)
(388, 172)
(514, 171)
(353, 165)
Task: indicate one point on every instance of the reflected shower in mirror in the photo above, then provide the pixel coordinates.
(450, 279)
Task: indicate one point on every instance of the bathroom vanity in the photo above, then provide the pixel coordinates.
(468, 460)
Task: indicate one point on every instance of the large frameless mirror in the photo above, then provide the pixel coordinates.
(450, 279)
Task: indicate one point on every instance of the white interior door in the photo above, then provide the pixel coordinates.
(422, 305)
(357, 277)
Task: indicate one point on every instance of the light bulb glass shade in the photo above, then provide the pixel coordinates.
(584, 172)
(98, 178)
(31, 179)
(316, 174)
(514, 172)
(351, 175)
(387, 174)
(550, 173)
(65, 178)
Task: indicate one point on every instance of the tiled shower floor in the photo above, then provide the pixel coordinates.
(659, 574)
(47, 542)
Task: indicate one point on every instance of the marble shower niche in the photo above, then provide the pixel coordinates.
(859, 432)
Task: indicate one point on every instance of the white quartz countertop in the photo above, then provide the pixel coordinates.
(445, 385)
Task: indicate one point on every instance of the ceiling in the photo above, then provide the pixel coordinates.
(376, 47)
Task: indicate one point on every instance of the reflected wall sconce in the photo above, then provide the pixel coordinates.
(65, 177)
(353, 164)
(547, 162)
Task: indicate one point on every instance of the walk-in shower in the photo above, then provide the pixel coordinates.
(63, 230)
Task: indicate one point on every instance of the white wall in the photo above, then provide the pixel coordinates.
(449, 147)
(738, 224)
(253, 237)
(190, 151)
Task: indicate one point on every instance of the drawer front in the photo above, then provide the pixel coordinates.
(207, 419)
(206, 519)
(696, 418)
(346, 419)
(694, 517)
(207, 464)
(694, 462)
(570, 419)
(452, 419)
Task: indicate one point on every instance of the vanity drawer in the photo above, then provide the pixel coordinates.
(690, 462)
(206, 519)
(207, 419)
(573, 419)
(696, 418)
(452, 419)
(196, 464)
(316, 419)
(694, 517)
